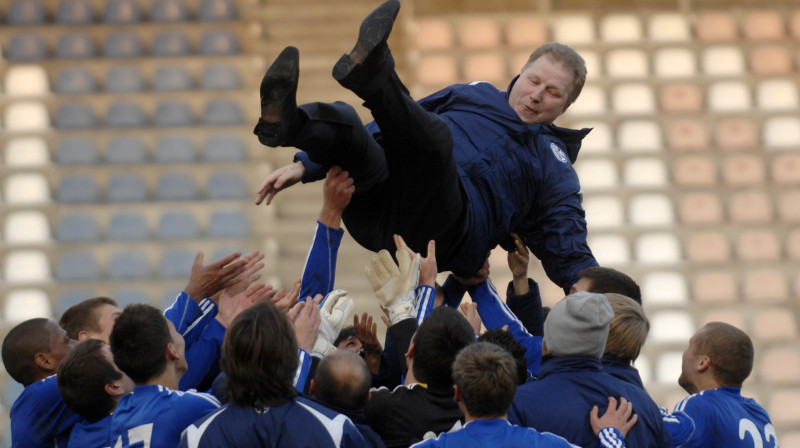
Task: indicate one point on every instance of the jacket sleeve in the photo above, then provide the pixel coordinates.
(440, 101)
(685, 423)
(202, 356)
(314, 171)
(527, 307)
(189, 317)
(319, 272)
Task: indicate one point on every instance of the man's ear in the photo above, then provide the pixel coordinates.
(457, 394)
(45, 362)
(83, 335)
(114, 389)
(312, 389)
(703, 363)
(172, 353)
(411, 349)
(545, 351)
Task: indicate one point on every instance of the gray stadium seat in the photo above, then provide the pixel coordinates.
(223, 113)
(176, 263)
(127, 226)
(168, 11)
(218, 43)
(77, 188)
(76, 151)
(122, 44)
(173, 113)
(26, 12)
(168, 298)
(125, 115)
(171, 43)
(176, 186)
(216, 10)
(177, 224)
(175, 149)
(129, 264)
(72, 297)
(74, 80)
(123, 78)
(74, 12)
(220, 77)
(122, 11)
(224, 148)
(228, 224)
(75, 116)
(172, 77)
(226, 185)
(75, 46)
(127, 187)
(77, 265)
(126, 150)
(26, 47)
(129, 295)
(77, 227)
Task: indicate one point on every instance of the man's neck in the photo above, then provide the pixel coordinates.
(167, 378)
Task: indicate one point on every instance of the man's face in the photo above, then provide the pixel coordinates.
(584, 284)
(60, 343)
(688, 366)
(179, 344)
(541, 93)
(107, 316)
(125, 384)
(352, 343)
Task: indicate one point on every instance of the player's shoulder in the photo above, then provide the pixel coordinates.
(190, 396)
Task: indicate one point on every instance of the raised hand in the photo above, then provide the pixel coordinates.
(206, 281)
(279, 180)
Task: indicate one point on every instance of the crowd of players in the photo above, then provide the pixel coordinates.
(234, 363)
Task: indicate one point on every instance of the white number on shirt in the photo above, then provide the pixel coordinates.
(138, 434)
(746, 426)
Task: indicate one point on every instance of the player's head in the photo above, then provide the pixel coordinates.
(348, 340)
(506, 340)
(90, 382)
(33, 350)
(143, 342)
(569, 59)
(342, 380)
(440, 336)
(259, 356)
(92, 318)
(578, 326)
(719, 355)
(628, 330)
(485, 376)
(603, 280)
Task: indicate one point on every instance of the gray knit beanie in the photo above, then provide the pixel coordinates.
(578, 325)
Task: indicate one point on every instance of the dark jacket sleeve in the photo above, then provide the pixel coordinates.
(527, 307)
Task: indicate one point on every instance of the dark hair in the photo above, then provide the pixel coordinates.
(505, 340)
(138, 341)
(20, 346)
(486, 377)
(440, 336)
(730, 350)
(605, 280)
(346, 332)
(343, 380)
(82, 376)
(83, 316)
(259, 355)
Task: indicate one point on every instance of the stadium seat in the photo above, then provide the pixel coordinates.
(76, 45)
(715, 26)
(27, 116)
(700, 208)
(597, 173)
(688, 135)
(694, 171)
(220, 148)
(26, 12)
(674, 63)
(222, 112)
(74, 12)
(633, 99)
(658, 248)
(794, 24)
(123, 79)
(604, 212)
(125, 114)
(748, 207)
(485, 66)
(627, 63)
(478, 33)
(173, 113)
(171, 77)
(178, 225)
(681, 97)
(787, 205)
(26, 47)
(651, 210)
(228, 224)
(226, 185)
(671, 327)
(436, 70)
(782, 132)
(70, 297)
(174, 149)
(77, 265)
(77, 188)
(171, 44)
(26, 227)
(73, 80)
(75, 116)
(599, 141)
(640, 136)
(758, 245)
(176, 186)
(574, 29)
(23, 304)
(729, 96)
(723, 60)
(129, 264)
(527, 31)
(24, 80)
(777, 94)
(168, 11)
(76, 227)
(736, 133)
(762, 24)
(76, 151)
(779, 365)
(611, 249)
(666, 27)
(176, 263)
(122, 12)
(743, 169)
(218, 43)
(774, 324)
(770, 60)
(26, 188)
(668, 368)
(122, 44)
(26, 266)
(707, 247)
(130, 295)
(220, 77)
(126, 150)
(665, 288)
(616, 28)
(792, 242)
(765, 285)
(732, 316)
(645, 172)
(26, 152)
(216, 10)
(127, 226)
(715, 286)
(433, 33)
(126, 187)
(785, 169)
(169, 296)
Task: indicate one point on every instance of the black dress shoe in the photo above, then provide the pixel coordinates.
(278, 103)
(368, 56)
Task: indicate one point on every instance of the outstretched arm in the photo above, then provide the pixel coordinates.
(279, 180)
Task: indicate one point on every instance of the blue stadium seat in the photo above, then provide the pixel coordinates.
(125, 115)
(127, 187)
(172, 77)
(224, 148)
(126, 150)
(176, 263)
(75, 116)
(72, 297)
(127, 226)
(77, 188)
(171, 43)
(168, 11)
(173, 113)
(74, 12)
(219, 43)
(76, 151)
(11, 392)
(223, 113)
(75, 46)
(77, 265)
(74, 80)
(123, 79)
(122, 11)
(77, 227)
(216, 10)
(226, 185)
(129, 264)
(26, 12)
(168, 298)
(177, 225)
(130, 295)
(122, 44)
(228, 224)
(220, 77)
(176, 186)
(26, 47)
(175, 149)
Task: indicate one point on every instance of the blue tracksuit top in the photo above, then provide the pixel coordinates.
(567, 389)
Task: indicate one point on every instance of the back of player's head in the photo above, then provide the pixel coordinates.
(343, 380)
(629, 328)
(82, 377)
(606, 280)
(259, 355)
(730, 350)
(345, 334)
(20, 347)
(506, 340)
(139, 340)
(84, 316)
(569, 58)
(440, 336)
(486, 377)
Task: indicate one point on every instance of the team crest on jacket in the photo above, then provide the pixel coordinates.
(559, 153)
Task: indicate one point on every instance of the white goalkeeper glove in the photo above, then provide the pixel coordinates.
(395, 284)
